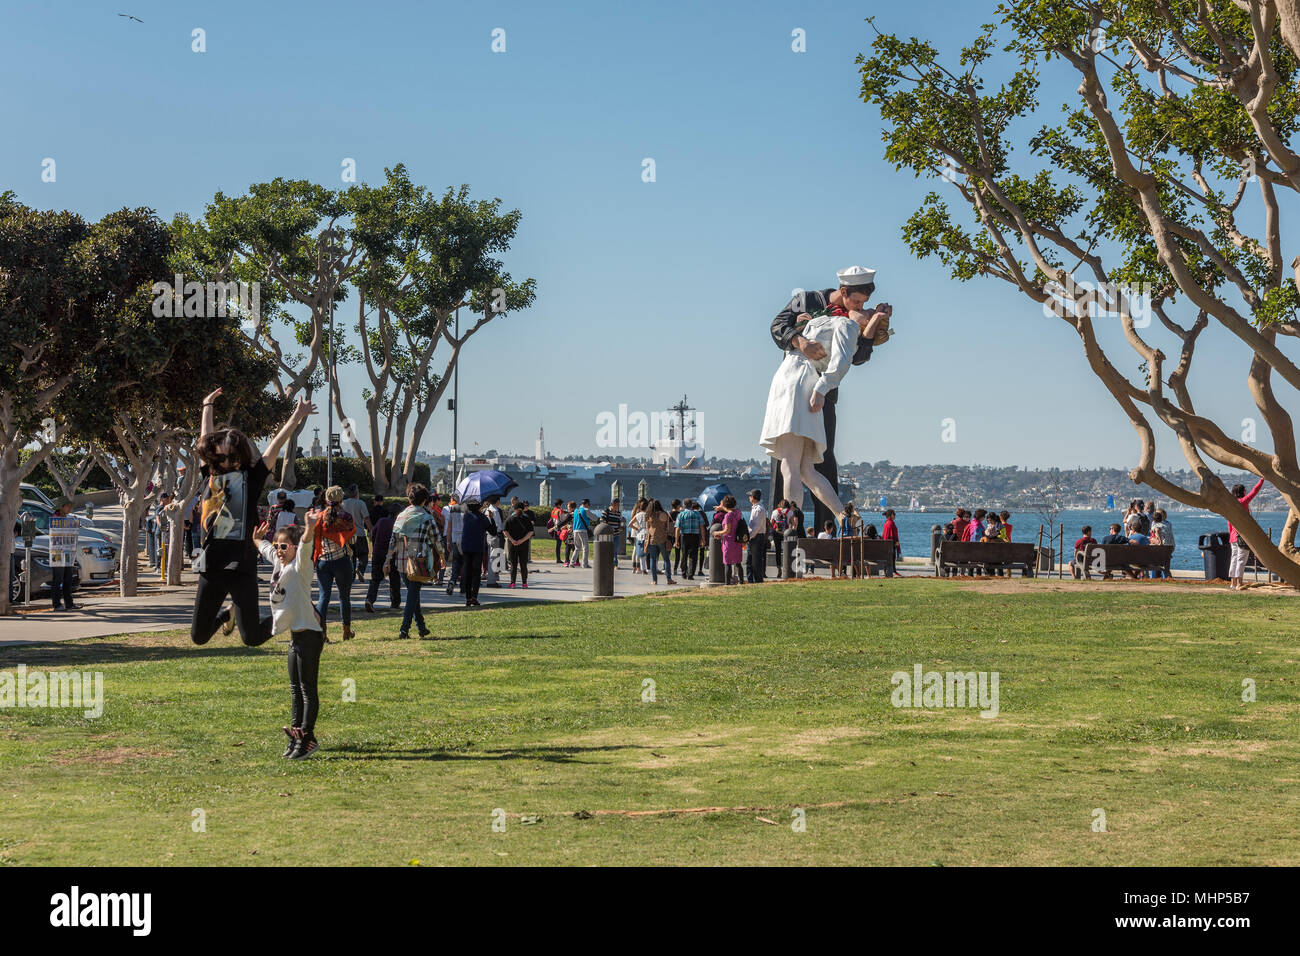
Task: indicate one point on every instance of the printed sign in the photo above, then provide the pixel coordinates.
(63, 541)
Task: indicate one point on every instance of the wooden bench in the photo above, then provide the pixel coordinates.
(862, 556)
(985, 555)
(1108, 558)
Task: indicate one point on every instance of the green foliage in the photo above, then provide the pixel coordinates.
(1188, 131)
(71, 294)
(347, 471)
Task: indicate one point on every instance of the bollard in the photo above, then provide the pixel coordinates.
(717, 573)
(602, 561)
(936, 538)
(785, 555)
(90, 511)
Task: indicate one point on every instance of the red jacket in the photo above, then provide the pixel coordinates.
(342, 531)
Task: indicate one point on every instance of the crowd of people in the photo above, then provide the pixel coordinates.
(1142, 524)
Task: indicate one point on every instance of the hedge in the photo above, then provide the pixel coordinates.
(347, 471)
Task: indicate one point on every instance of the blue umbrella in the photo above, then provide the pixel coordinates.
(712, 496)
(483, 484)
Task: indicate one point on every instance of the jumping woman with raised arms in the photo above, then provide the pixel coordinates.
(234, 476)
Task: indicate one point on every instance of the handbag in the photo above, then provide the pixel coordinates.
(417, 569)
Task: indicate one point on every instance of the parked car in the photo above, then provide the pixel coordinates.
(32, 493)
(97, 558)
(40, 574)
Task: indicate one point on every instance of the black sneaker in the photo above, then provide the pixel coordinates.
(306, 747)
(225, 622)
(293, 741)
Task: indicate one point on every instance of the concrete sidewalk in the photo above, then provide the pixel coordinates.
(156, 608)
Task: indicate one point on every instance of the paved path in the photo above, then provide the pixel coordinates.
(157, 608)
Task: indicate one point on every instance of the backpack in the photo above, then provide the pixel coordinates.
(742, 530)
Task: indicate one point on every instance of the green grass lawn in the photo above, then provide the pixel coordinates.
(766, 699)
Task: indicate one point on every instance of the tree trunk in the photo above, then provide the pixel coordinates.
(1287, 543)
(134, 503)
(176, 534)
(175, 550)
(11, 499)
(1289, 14)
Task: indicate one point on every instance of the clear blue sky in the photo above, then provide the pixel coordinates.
(769, 176)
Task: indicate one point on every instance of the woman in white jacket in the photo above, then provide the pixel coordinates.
(794, 429)
(292, 610)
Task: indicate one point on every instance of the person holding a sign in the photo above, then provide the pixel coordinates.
(63, 554)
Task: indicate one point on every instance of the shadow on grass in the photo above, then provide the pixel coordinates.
(108, 653)
(548, 754)
(492, 637)
(60, 654)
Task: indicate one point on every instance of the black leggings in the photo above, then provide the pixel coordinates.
(472, 574)
(214, 587)
(518, 554)
(304, 666)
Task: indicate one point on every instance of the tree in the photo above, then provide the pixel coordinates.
(70, 466)
(1134, 205)
(151, 423)
(67, 291)
(429, 257)
(289, 237)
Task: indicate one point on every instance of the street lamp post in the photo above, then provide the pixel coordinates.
(329, 376)
(455, 404)
(329, 404)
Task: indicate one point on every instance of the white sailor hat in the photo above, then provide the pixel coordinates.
(856, 275)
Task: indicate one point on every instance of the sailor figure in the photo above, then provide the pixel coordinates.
(808, 362)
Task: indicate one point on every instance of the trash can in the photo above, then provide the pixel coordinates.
(1217, 555)
(1046, 560)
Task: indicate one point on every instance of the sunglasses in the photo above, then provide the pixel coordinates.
(282, 546)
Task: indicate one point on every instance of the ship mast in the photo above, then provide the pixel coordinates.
(681, 408)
